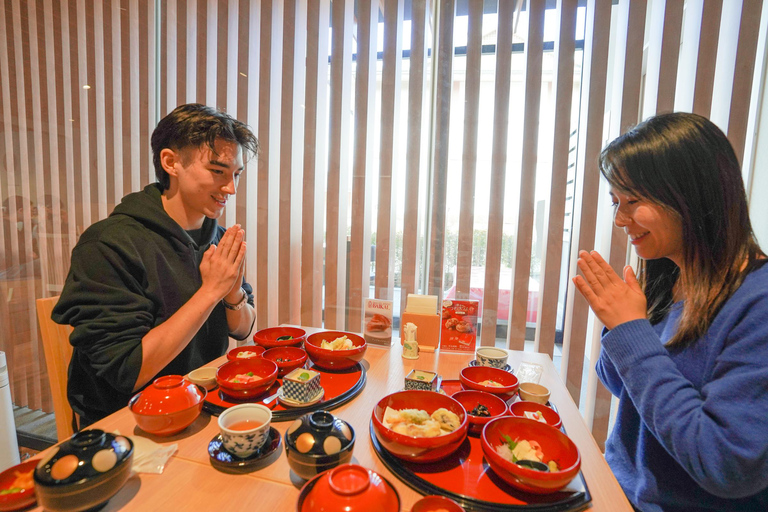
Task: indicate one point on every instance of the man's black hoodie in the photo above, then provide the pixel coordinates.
(130, 272)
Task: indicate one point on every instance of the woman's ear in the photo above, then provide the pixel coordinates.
(168, 159)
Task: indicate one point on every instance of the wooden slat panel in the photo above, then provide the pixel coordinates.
(98, 95)
(709, 35)
(118, 102)
(663, 50)
(241, 111)
(149, 97)
(413, 154)
(746, 51)
(202, 39)
(627, 86)
(134, 38)
(315, 163)
(534, 50)
(191, 53)
(181, 53)
(587, 183)
(391, 79)
(469, 153)
(269, 163)
(211, 53)
(250, 186)
(553, 231)
(54, 143)
(291, 146)
(362, 163)
(442, 117)
(170, 69)
(226, 58)
(338, 164)
(498, 172)
(84, 117)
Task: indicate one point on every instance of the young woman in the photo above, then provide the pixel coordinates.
(686, 347)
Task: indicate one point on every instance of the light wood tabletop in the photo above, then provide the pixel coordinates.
(190, 482)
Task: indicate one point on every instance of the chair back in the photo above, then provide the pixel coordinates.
(58, 353)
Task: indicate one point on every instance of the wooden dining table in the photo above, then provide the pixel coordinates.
(189, 482)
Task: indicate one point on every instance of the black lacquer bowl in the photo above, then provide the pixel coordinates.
(83, 472)
(318, 441)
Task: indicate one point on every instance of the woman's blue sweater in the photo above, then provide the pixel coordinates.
(691, 432)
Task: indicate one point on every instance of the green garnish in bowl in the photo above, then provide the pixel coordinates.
(512, 445)
(284, 338)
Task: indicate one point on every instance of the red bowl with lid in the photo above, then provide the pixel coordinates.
(419, 449)
(478, 378)
(280, 337)
(471, 399)
(287, 359)
(168, 405)
(264, 370)
(334, 359)
(348, 488)
(550, 416)
(245, 352)
(555, 446)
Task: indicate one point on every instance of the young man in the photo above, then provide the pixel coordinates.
(156, 288)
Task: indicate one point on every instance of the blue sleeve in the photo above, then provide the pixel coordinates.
(608, 375)
(716, 433)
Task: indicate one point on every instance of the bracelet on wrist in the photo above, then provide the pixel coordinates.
(238, 305)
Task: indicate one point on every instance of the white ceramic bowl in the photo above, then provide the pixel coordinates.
(491, 356)
(244, 428)
(205, 377)
(533, 392)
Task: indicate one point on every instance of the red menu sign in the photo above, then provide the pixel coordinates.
(458, 331)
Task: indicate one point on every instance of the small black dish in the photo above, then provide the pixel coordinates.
(224, 461)
(506, 367)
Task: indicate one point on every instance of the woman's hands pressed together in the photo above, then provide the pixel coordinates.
(614, 300)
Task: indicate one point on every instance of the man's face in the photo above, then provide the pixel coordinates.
(205, 180)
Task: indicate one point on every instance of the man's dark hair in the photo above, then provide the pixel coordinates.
(193, 125)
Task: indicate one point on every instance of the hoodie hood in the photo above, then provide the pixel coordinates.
(146, 207)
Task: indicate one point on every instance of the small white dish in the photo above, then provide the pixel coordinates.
(205, 377)
(293, 403)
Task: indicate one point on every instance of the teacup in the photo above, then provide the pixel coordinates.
(491, 356)
(532, 392)
(245, 428)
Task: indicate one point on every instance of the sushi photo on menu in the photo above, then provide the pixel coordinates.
(377, 324)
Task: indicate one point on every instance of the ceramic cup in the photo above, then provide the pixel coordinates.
(245, 428)
(491, 356)
(533, 392)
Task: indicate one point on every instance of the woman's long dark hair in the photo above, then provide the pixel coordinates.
(684, 163)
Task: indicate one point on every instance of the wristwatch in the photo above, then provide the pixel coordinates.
(237, 306)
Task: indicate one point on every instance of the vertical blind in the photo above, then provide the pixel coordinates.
(359, 109)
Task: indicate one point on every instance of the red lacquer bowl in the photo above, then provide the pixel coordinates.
(334, 359)
(348, 488)
(435, 503)
(555, 445)
(471, 399)
(472, 376)
(419, 449)
(21, 499)
(245, 352)
(167, 406)
(260, 367)
(287, 359)
(520, 408)
(267, 338)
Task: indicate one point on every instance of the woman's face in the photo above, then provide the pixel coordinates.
(654, 231)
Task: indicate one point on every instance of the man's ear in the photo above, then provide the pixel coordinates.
(169, 160)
